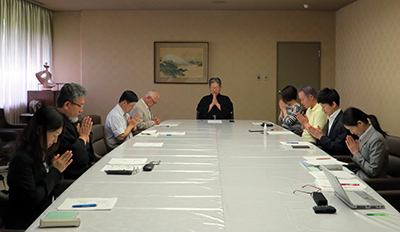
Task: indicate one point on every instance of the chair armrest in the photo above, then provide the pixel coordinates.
(8, 134)
(343, 158)
(15, 126)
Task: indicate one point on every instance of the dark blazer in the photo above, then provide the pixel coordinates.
(82, 154)
(335, 142)
(225, 112)
(30, 189)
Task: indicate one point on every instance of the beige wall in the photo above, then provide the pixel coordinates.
(67, 63)
(116, 50)
(367, 59)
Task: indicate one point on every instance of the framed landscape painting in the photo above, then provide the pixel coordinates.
(181, 62)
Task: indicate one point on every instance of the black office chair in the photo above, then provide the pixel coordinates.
(3, 202)
(389, 188)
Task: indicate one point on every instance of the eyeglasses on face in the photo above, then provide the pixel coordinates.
(154, 102)
(80, 106)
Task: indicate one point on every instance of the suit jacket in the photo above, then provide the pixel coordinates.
(145, 117)
(31, 189)
(373, 156)
(83, 154)
(335, 142)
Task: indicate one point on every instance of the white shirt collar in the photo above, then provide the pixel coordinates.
(334, 115)
(121, 111)
(366, 132)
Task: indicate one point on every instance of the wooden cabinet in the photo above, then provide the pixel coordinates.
(47, 97)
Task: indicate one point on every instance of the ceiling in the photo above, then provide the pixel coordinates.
(78, 5)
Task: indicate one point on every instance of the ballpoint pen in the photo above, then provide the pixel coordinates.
(350, 184)
(377, 214)
(84, 205)
(323, 158)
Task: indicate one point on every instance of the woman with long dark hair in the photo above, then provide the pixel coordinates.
(34, 171)
(370, 152)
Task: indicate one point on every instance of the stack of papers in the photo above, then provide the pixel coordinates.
(320, 160)
(124, 164)
(60, 219)
(348, 181)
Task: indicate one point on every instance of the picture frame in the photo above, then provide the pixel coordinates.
(181, 62)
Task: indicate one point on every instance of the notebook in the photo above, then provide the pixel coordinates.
(353, 199)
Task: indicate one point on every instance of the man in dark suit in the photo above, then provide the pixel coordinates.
(333, 140)
(77, 136)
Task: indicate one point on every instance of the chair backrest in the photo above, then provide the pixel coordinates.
(393, 143)
(3, 206)
(96, 119)
(3, 121)
(98, 142)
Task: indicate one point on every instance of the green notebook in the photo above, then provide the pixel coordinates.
(60, 219)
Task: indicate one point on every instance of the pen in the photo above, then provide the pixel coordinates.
(323, 158)
(169, 134)
(377, 214)
(350, 184)
(292, 142)
(84, 205)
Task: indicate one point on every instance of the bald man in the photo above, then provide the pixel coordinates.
(142, 108)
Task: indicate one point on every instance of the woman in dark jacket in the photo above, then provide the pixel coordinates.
(34, 171)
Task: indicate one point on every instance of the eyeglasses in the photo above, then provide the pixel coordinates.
(154, 102)
(310, 193)
(80, 106)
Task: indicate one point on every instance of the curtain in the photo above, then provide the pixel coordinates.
(26, 44)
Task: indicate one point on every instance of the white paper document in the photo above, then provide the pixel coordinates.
(339, 174)
(128, 164)
(169, 124)
(140, 144)
(290, 143)
(148, 133)
(170, 133)
(319, 162)
(283, 132)
(215, 121)
(133, 161)
(127, 167)
(143, 134)
(86, 204)
(348, 184)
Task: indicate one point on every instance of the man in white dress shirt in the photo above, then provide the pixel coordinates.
(119, 125)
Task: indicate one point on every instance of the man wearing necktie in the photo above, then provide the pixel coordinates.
(333, 142)
(142, 108)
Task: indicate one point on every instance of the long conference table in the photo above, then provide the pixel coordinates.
(215, 177)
